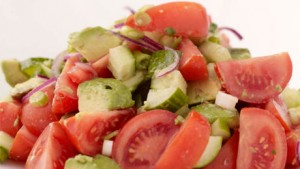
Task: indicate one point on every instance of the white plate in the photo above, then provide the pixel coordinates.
(41, 28)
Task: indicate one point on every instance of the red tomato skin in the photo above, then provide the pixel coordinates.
(100, 67)
(157, 123)
(81, 72)
(86, 131)
(195, 130)
(51, 149)
(9, 117)
(256, 80)
(188, 19)
(36, 119)
(262, 140)
(292, 140)
(22, 144)
(279, 109)
(192, 64)
(226, 159)
(65, 94)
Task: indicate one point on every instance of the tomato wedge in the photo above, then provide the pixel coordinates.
(65, 94)
(279, 109)
(262, 141)
(86, 130)
(192, 64)
(101, 67)
(36, 119)
(226, 159)
(293, 137)
(22, 144)
(143, 139)
(256, 80)
(51, 149)
(188, 19)
(9, 117)
(194, 132)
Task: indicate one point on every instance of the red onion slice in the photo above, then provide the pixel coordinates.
(46, 83)
(152, 43)
(172, 66)
(59, 59)
(235, 32)
(298, 152)
(119, 25)
(145, 46)
(130, 9)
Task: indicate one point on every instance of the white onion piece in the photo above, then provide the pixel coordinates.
(172, 66)
(225, 100)
(107, 147)
(46, 83)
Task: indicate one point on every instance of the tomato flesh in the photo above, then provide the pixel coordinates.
(9, 117)
(256, 80)
(100, 67)
(22, 144)
(187, 145)
(226, 159)
(262, 142)
(192, 64)
(51, 149)
(143, 139)
(188, 19)
(65, 94)
(86, 130)
(279, 109)
(35, 118)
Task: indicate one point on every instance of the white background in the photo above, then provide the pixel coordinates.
(41, 27)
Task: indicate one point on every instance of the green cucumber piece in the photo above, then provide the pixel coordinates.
(133, 82)
(183, 111)
(121, 62)
(103, 94)
(169, 99)
(291, 97)
(203, 90)
(141, 60)
(214, 52)
(220, 128)
(211, 151)
(93, 42)
(37, 66)
(172, 79)
(212, 112)
(5, 145)
(239, 53)
(87, 162)
(12, 72)
(160, 60)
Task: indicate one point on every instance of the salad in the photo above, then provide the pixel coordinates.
(162, 88)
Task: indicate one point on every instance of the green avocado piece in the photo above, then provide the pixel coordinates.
(87, 162)
(103, 94)
(93, 42)
(12, 72)
(21, 89)
(37, 66)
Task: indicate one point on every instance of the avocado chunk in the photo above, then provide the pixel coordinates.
(12, 72)
(5, 145)
(23, 88)
(103, 94)
(212, 112)
(87, 162)
(37, 66)
(93, 42)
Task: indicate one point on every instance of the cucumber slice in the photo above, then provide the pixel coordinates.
(121, 62)
(169, 99)
(220, 128)
(141, 60)
(133, 82)
(5, 145)
(87, 162)
(212, 112)
(211, 151)
(214, 52)
(239, 53)
(173, 79)
(204, 90)
(183, 111)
